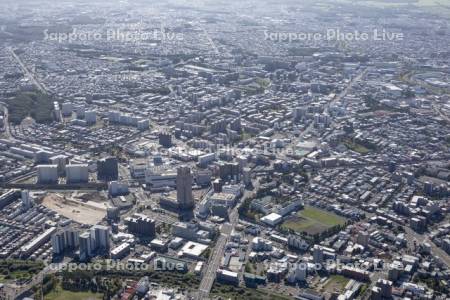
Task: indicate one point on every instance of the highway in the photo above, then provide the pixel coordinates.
(349, 87)
(327, 108)
(213, 264)
(383, 163)
(211, 42)
(6, 120)
(27, 72)
(337, 99)
(218, 252)
(421, 238)
(439, 112)
(411, 237)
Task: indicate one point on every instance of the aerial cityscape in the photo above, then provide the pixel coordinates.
(209, 149)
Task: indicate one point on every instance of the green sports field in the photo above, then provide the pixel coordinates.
(60, 294)
(313, 221)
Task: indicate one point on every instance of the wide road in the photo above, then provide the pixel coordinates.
(362, 165)
(423, 238)
(218, 252)
(27, 72)
(210, 40)
(336, 99)
(439, 112)
(213, 265)
(349, 87)
(6, 120)
(13, 291)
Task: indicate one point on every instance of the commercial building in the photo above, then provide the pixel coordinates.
(193, 250)
(9, 197)
(67, 109)
(165, 139)
(120, 251)
(29, 248)
(272, 219)
(116, 188)
(159, 180)
(227, 277)
(108, 169)
(141, 225)
(192, 231)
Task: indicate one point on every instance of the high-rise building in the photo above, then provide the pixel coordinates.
(90, 117)
(26, 200)
(428, 188)
(80, 111)
(385, 288)
(298, 273)
(77, 173)
(47, 174)
(100, 235)
(67, 109)
(141, 225)
(58, 243)
(229, 170)
(217, 185)
(86, 243)
(61, 162)
(72, 237)
(184, 188)
(299, 112)
(363, 239)
(165, 140)
(116, 188)
(247, 176)
(317, 254)
(108, 169)
(42, 156)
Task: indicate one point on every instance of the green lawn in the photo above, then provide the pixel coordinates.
(237, 293)
(59, 294)
(322, 216)
(18, 269)
(356, 147)
(313, 220)
(336, 283)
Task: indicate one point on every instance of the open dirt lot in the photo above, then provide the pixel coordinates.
(89, 212)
